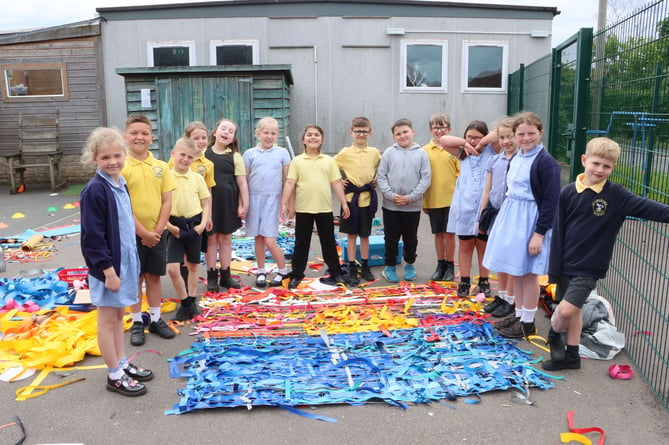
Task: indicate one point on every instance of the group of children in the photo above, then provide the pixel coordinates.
(496, 191)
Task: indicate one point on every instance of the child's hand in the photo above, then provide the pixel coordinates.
(174, 230)
(112, 281)
(241, 212)
(344, 182)
(536, 243)
(345, 211)
(150, 239)
(200, 228)
(470, 150)
(209, 226)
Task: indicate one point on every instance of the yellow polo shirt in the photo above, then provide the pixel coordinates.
(445, 171)
(313, 178)
(202, 166)
(191, 188)
(147, 181)
(359, 166)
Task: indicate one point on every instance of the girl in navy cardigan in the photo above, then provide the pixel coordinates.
(109, 249)
(520, 239)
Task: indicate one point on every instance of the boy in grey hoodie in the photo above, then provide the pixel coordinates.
(404, 175)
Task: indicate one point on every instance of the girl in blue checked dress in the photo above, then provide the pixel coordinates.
(110, 251)
(521, 236)
(464, 213)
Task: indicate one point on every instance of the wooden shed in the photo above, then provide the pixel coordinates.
(53, 71)
(173, 96)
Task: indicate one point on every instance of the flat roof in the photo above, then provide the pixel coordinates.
(324, 8)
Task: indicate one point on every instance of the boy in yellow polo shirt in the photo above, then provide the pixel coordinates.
(198, 132)
(358, 164)
(150, 184)
(437, 198)
(191, 212)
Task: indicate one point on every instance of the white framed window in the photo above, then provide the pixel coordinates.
(23, 82)
(233, 52)
(174, 53)
(423, 66)
(484, 66)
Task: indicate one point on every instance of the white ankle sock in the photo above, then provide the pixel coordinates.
(115, 373)
(137, 316)
(502, 295)
(510, 299)
(155, 313)
(527, 315)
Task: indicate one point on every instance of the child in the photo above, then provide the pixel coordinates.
(150, 183)
(110, 250)
(466, 205)
(230, 200)
(310, 176)
(525, 219)
(266, 169)
(491, 200)
(404, 175)
(589, 215)
(358, 164)
(203, 166)
(189, 217)
(445, 168)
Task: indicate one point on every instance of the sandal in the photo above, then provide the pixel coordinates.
(622, 372)
(261, 280)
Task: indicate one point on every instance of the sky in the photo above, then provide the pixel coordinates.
(29, 14)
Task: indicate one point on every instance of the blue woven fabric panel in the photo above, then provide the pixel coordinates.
(468, 358)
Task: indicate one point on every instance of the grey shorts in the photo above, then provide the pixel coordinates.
(575, 290)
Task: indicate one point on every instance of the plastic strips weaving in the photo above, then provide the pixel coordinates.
(354, 368)
(243, 247)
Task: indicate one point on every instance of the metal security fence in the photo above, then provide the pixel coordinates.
(615, 83)
(629, 102)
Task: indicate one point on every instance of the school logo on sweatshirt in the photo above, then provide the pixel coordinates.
(599, 207)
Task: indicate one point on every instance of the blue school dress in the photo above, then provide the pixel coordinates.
(466, 204)
(515, 224)
(127, 293)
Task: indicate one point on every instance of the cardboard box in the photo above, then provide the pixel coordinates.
(376, 250)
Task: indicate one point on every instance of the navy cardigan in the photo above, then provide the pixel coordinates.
(545, 184)
(100, 231)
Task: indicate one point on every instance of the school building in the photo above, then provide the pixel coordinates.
(301, 61)
(381, 59)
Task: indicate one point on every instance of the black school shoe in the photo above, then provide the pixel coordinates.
(139, 374)
(261, 280)
(277, 280)
(494, 304)
(137, 334)
(567, 363)
(161, 329)
(186, 313)
(126, 386)
(504, 309)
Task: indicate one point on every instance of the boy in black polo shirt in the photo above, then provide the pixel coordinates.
(589, 215)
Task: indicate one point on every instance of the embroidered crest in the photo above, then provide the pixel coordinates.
(599, 207)
(158, 171)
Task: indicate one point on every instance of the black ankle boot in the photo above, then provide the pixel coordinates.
(212, 278)
(227, 281)
(438, 274)
(449, 272)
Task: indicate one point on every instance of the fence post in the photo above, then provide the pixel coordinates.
(583, 70)
(651, 138)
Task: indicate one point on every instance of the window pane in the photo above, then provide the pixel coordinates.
(234, 55)
(485, 67)
(424, 65)
(34, 82)
(171, 56)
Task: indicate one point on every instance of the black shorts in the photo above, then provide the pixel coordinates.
(176, 248)
(439, 219)
(481, 236)
(152, 259)
(364, 228)
(574, 290)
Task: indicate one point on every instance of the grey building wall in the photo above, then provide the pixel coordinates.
(342, 65)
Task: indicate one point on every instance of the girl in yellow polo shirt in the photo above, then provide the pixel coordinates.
(307, 196)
